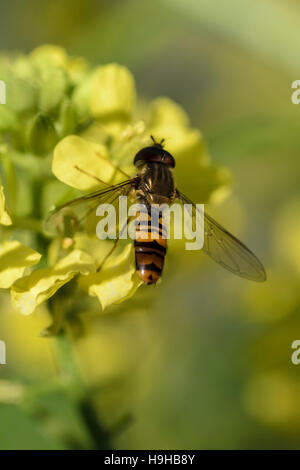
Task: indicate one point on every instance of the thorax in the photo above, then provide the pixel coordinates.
(156, 183)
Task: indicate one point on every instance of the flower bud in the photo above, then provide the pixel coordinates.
(41, 136)
(112, 92)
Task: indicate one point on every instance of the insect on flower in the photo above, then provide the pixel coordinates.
(153, 185)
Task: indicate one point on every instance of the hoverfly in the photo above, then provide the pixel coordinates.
(154, 184)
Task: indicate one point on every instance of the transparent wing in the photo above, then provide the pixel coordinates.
(74, 215)
(226, 249)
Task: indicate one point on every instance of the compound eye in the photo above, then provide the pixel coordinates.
(168, 159)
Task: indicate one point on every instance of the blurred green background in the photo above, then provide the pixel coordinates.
(203, 360)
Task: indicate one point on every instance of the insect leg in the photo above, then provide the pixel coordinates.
(115, 244)
(91, 176)
(116, 167)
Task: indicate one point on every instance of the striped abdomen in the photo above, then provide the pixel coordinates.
(150, 249)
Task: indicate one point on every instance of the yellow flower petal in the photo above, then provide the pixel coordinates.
(72, 152)
(117, 280)
(4, 217)
(166, 112)
(96, 248)
(14, 259)
(170, 122)
(112, 92)
(30, 291)
(207, 181)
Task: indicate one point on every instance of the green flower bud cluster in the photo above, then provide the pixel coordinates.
(39, 88)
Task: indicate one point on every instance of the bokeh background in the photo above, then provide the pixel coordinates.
(204, 359)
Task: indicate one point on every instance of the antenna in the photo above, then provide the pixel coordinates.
(160, 144)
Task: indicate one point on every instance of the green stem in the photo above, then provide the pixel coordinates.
(100, 436)
(32, 224)
(76, 389)
(11, 182)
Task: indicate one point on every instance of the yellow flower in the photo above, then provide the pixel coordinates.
(97, 122)
(117, 280)
(110, 98)
(30, 291)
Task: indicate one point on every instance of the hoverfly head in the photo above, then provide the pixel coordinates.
(154, 153)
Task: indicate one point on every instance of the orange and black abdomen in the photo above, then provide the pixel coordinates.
(150, 249)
